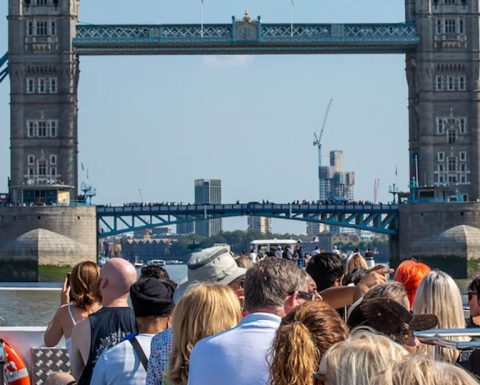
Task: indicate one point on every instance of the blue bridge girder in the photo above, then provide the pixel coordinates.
(3, 66)
(378, 218)
(242, 37)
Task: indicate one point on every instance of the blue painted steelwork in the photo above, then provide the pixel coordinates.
(244, 37)
(378, 218)
(4, 71)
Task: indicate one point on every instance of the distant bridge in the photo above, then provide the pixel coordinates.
(378, 218)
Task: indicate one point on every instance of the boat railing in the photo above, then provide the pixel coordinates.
(443, 338)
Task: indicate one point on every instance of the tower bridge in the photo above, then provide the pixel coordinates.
(439, 38)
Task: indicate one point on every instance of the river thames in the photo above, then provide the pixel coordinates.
(36, 307)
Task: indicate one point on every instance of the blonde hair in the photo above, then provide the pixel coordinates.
(355, 260)
(204, 310)
(418, 370)
(438, 294)
(301, 340)
(358, 359)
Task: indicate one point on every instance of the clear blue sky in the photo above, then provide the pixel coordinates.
(156, 123)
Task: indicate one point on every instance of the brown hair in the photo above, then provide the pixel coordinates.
(302, 339)
(243, 261)
(204, 310)
(391, 290)
(83, 282)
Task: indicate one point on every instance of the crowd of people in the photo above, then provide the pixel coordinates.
(235, 322)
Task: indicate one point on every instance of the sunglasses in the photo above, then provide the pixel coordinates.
(305, 295)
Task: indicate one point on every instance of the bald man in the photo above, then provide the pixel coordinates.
(108, 326)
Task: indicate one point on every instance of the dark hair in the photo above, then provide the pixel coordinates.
(154, 271)
(325, 268)
(474, 287)
(270, 281)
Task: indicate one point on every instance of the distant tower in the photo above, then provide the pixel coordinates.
(443, 79)
(208, 191)
(43, 77)
(262, 225)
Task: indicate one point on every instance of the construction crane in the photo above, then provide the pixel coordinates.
(318, 142)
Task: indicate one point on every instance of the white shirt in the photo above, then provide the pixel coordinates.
(237, 356)
(120, 365)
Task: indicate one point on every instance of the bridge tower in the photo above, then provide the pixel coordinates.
(43, 76)
(443, 99)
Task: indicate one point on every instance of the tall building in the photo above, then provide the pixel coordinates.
(185, 228)
(43, 79)
(335, 184)
(208, 191)
(262, 225)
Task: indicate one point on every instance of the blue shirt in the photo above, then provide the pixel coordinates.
(237, 356)
(157, 363)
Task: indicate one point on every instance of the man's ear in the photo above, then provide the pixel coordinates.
(104, 283)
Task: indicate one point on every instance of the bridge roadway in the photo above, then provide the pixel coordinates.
(378, 218)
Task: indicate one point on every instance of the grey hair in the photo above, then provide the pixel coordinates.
(358, 359)
(270, 281)
(391, 290)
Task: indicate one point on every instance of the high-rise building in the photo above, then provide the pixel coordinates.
(208, 191)
(335, 184)
(185, 228)
(262, 225)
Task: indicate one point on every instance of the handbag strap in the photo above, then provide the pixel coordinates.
(140, 353)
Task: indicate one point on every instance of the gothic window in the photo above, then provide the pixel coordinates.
(450, 26)
(53, 160)
(42, 168)
(42, 129)
(41, 2)
(462, 156)
(452, 179)
(451, 83)
(31, 159)
(42, 86)
(440, 156)
(461, 83)
(439, 83)
(31, 172)
(42, 28)
(452, 164)
(53, 128)
(53, 171)
(53, 85)
(30, 86)
(439, 26)
(461, 26)
(452, 136)
(441, 168)
(30, 28)
(440, 126)
(53, 28)
(462, 125)
(30, 128)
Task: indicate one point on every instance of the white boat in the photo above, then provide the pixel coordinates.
(156, 262)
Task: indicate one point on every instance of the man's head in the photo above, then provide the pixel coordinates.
(154, 271)
(326, 269)
(272, 284)
(152, 297)
(212, 265)
(116, 277)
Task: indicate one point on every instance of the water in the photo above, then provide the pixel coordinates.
(36, 307)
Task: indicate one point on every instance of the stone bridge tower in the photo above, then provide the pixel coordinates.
(44, 77)
(443, 80)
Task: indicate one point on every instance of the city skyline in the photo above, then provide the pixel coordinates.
(256, 114)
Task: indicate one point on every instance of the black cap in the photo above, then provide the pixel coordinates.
(152, 297)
